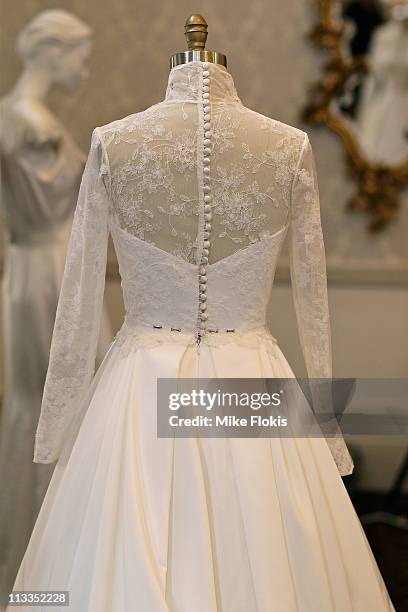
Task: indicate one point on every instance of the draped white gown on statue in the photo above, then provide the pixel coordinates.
(198, 192)
(382, 120)
(41, 169)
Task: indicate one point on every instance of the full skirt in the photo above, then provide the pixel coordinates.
(132, 522)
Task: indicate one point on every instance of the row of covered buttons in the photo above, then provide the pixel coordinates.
(207, 200)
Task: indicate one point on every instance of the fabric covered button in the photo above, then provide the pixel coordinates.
(207, 197)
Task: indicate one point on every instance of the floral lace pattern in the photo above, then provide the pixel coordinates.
(76, 329)
(309, 284)
(142, 183)
(154, 160)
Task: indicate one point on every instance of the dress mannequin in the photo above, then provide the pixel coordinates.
(132, 520)
(41, 172)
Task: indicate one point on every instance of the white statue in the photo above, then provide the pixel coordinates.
(41, 172)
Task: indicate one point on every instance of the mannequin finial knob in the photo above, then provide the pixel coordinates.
(196, 32)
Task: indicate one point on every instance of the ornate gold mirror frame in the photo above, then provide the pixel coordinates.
(378, 184)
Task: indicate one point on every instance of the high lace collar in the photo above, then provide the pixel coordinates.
(185, 83)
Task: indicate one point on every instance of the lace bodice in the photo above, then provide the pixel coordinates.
(198, 193)
(155, 159)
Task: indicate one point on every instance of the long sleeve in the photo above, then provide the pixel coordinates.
(309, 285)
(75, 337)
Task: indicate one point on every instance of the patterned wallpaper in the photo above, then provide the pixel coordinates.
(272, 63)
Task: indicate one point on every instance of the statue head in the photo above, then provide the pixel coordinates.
(58, 42)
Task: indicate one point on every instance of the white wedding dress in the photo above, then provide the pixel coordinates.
(198, 192)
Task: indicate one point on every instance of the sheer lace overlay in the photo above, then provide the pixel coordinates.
(150, 180)
(155, 157)
(76, 329)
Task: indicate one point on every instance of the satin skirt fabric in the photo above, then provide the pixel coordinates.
(135, 522)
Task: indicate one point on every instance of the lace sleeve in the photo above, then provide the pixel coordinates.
(77, 321)
(309, 286)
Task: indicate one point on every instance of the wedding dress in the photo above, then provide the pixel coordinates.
(198, 192)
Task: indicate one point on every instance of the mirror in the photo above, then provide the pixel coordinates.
(363, 96)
